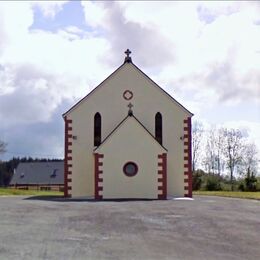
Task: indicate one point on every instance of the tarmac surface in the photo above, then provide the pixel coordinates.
(203, 228)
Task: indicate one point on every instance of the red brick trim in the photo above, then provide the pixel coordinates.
(67, 157)
(98, 171)
(160, 164)
(187, 158)
(162, 180)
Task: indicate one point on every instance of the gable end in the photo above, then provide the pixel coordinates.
(140, 71)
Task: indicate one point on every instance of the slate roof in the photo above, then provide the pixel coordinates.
(44, 173)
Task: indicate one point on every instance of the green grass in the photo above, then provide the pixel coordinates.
(17, 192)
(232, 194)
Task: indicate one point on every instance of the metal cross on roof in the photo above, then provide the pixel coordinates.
(130, 111)
(128, 52)
(128, 58)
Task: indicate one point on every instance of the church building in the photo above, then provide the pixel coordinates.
(127, 139)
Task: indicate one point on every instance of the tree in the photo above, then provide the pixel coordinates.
(249, 162)
(220, 160)
(213, 160)
(2, 150)
(2, 147)
(248, 165)
(232, 150)
(210, 152)
(197, 132)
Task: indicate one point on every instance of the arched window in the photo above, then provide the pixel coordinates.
(97, 129)
(158, 127)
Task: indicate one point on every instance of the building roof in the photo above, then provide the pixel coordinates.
(46, 173)
(128, 60)
(124, 121)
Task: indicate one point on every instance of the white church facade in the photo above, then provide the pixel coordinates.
(127, 139)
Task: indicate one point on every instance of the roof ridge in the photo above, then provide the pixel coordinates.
(117, 127)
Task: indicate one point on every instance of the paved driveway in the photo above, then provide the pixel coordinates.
(205, 228)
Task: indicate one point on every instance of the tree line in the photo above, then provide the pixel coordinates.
(222, 152)
(216, 153)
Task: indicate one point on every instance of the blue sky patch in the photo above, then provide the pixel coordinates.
(71, 15)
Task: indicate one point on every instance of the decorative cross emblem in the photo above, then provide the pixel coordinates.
(130, 105)
(127, 52)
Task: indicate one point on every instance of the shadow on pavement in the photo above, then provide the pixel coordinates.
(63, 199)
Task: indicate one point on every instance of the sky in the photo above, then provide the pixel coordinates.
(205, 54)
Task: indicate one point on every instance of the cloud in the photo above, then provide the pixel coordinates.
(42, 74)
(147, 44)
(230, 86)
(249, 129)
(30, 94)
(42, 140)
(49, 8)
(205, 54)
(11, 29)
(39, 69)
(221, 55)
(208, 12)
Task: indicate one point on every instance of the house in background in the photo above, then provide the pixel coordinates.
(39, 175)
(128, 139)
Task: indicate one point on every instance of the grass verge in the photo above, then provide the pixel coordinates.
(8, 191)
(231, 194)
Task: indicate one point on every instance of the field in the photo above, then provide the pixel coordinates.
(8, 191)
(231, 194)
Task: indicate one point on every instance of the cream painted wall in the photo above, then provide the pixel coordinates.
(130, 142)
(107, 99)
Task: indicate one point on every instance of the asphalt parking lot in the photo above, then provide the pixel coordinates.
(205, 228)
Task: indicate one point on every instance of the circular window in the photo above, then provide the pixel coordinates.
(128, 95)
(130, 169)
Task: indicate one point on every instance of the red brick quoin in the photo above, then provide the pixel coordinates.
(98, 171)
(162, 178)
(187, 158)
(67, 157)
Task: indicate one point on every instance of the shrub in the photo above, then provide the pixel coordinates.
(241, 186)
(213, 183)
(258, 184)
(197, 179)
(250, 182)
